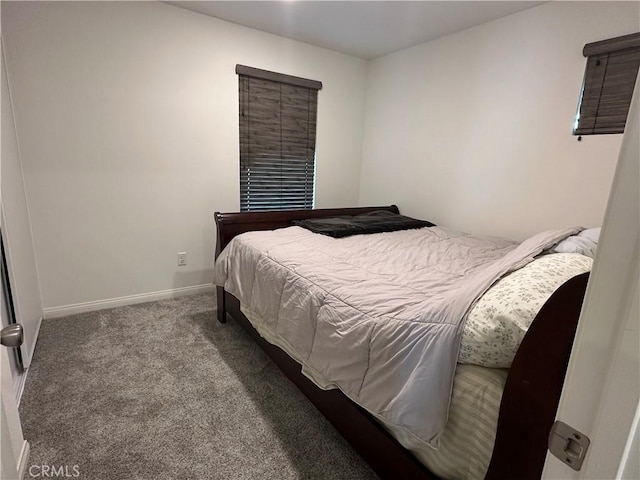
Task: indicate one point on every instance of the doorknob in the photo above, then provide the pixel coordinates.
(12, 335)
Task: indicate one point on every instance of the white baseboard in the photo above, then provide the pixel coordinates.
(57, 312)
(24, 459)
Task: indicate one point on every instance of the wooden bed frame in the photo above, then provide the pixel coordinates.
(530, 397)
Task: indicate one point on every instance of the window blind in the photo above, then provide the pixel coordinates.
(277, 140)
(607, 88)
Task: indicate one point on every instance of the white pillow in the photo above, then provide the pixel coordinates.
(585, 243)
(498, 321)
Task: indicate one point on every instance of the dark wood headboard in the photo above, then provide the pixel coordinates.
(231, 224)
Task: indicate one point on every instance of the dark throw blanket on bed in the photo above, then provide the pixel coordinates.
(373, 222)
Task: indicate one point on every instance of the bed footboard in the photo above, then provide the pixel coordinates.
(534, 385)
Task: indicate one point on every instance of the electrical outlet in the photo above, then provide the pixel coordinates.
(182, 259)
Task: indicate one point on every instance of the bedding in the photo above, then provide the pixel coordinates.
(384, 323)
(498, 321)
(467, 442)
(585, 243)
(366, 223)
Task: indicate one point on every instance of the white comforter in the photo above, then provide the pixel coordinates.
(378, 316)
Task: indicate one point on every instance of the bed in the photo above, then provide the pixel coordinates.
(529, 389)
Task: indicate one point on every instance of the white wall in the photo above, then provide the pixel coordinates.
(127, 119)
(473, 130)
(126, 116)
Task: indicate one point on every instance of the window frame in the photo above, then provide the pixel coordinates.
(277, 141)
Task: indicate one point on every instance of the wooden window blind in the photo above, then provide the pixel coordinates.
(277, 140)
(607, 88)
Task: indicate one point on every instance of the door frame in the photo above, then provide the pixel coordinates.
(601, 393)
(14, 449)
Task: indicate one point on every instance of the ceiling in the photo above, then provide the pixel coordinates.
(365, 29)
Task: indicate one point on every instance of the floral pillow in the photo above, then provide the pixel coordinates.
(498, 321)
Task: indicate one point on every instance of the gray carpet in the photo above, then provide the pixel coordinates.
(163, 391)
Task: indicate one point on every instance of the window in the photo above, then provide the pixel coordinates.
(277, 140)
(607, 88)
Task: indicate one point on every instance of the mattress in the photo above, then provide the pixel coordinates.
(467, 441)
